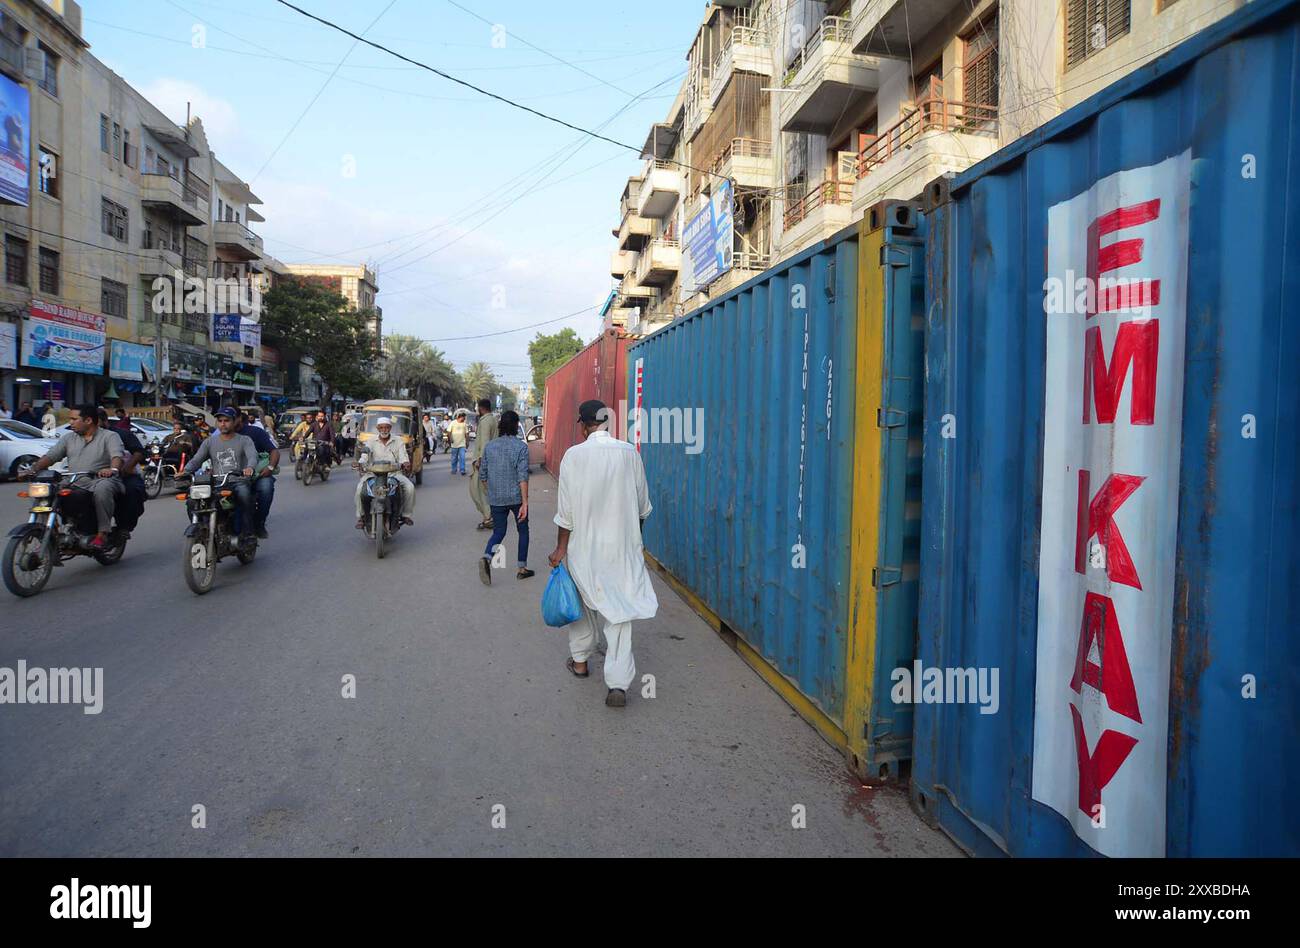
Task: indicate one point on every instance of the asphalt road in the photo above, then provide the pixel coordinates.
(233, 702)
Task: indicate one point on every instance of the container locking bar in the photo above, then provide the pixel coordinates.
(882, 576)
(894, 256)
(890, 418)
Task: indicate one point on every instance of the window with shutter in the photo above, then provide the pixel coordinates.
(980, 74)
(1092, 25)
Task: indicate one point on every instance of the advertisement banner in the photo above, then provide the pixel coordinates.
(220, 370)
(244, 376)
(237, 336)
(707, 240)
(8, 346)
(184, 363)
(129, 360)
(1112, 430)
(62, 338)
(15, 142)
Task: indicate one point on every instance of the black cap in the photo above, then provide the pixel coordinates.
(592, 412)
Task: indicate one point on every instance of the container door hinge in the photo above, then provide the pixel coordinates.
(890, 418)
(830, 280)
(882, 576)
(894, 257)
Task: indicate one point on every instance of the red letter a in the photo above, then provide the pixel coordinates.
(1113, 678)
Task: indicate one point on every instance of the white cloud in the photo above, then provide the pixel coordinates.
(220, 118)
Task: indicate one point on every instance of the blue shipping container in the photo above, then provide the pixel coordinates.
(791, 521)
(1110, 514)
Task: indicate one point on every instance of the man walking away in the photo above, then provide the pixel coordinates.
(487, 430)
(504, 472)
(458, 432)
(603, 498)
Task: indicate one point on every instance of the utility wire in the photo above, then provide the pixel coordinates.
(461, 82)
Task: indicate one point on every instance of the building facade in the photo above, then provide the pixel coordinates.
(356, 283)
(796, 116)
(132, 273)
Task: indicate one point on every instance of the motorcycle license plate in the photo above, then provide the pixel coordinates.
(41, 509)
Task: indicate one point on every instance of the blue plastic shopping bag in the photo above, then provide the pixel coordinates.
(560, 603)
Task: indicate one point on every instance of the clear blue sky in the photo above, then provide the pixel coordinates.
(432, 163)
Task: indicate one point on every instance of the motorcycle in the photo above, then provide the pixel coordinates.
(381, 504)
(210, 536)
(53, 535)
(310, 463)
(158, 472)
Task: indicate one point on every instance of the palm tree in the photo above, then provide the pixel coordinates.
(479, 381)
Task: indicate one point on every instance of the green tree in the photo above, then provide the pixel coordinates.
(319, 323)
(479, 381)
(411, 364)
(548, 353)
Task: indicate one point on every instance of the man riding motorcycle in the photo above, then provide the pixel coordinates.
(323, 432)
(385, 449)
(231, 453)
(177, 443)
(90, 447)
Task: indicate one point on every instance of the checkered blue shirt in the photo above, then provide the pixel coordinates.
(504, 465)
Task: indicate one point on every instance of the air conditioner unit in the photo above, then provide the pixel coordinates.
(33, 63)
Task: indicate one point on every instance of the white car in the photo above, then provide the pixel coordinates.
(21, 445)
(146, 429)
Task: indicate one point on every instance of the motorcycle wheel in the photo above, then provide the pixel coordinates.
(153, 485)
(308, 472)
(111, 554)
(23, 582)
(325, 473)
(419, 477)
(247, 556)
(377, 519)
(297, 470)
(198, 564)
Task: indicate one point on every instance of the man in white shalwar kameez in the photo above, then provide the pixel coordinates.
(602, 500)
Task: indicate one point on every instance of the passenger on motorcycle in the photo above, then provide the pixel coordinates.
(89, 447)
(231, 453)
(264, 485)
(130, 506)
(385, 449)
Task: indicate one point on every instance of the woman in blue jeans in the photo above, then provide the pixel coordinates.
(504, 471)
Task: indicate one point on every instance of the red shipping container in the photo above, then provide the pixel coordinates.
(598, 371)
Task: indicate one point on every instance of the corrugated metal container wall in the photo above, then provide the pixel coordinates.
(1133, 577)
(598, 371)
(764, 521)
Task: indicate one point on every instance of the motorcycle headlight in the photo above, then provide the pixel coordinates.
(38, 490)
(201, 491)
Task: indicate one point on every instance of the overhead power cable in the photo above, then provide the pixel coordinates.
(460, 82)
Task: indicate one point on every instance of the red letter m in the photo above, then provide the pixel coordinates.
(1137, 343)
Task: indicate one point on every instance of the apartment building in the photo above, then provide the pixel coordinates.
(107, 208)
(796, 116)
(355, 282)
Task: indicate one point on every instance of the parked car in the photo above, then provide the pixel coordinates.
(21, 445)
(146, 429)
(536, 441)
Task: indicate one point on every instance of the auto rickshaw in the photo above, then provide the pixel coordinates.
(406, 425)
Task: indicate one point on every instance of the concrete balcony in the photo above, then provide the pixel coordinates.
(237, 240)
(159, 261)
(621, 262)
(935, 137)
(661, 185)
(745, 49)
(748, 162)
(698, 107)
(882, 27)
(630, 289)
(659, 262)
(818, 213)
(165, 193)
(633, 232)
(827, 80)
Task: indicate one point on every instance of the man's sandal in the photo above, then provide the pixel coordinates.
(569, 664)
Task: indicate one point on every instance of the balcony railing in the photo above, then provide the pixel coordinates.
(738, 36)
(832, 29)
(742, 148)
(828, 192)
(935, 114)
(155, 242)
(750, 260)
